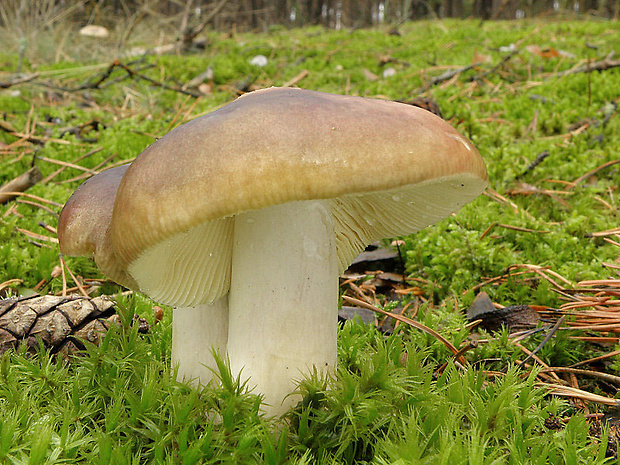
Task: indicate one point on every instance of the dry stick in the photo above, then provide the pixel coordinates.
(500, 199)
(34, 197)
(594, 374)
(536, 358)
(38, 237)
(403, 319)
(68, 165)
(6, 127)
(596, 339)
(601, 65)
(617, 244)
(64, 277)
(77, 283)
(600, 282)
(38, 205)
(546, 339)
(596, 359)
(518, 228)
(594, 171)
(95, 85)
(608, 327)
(86, 175)
(488, 230)
(62, 168)
(443, 77)
(498, 278)
(579, 394)
(48, 228)
(355, 288)
(492, 70)
(541, 270)
(20, 184)
(609, 232)
(163, 85)
(514, 337)
(10, 282)
(530, 269)
(296, 79)
(467, 347)
(177, 115)
(18, 80)
(12, 210)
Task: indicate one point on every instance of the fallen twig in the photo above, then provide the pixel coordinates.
(594, 171)
(34, 197)
(601, 65)
(75, 280)
(594, 374)
(566, 391)
(410, 322)
(9, 283)
(520, 229)
(292, 82)
(530, 354)
(37, 237)
(163, 85)
(546, 339)
(446, 76)
(19, 184)
(62, 168)
(8, 128)
(596, 359)
(18, 80)
(493, 69)
(67, 165)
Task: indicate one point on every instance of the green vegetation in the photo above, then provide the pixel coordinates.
(119, 403)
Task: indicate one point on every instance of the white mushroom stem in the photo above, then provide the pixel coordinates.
(283, 298)
(196, 332)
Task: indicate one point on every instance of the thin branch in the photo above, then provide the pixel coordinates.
(19, 184)
(594, 374)
(546, 339)
(18, 80)
(410, 322)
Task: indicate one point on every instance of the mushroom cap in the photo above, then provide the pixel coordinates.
(388, 168)
(83, 226)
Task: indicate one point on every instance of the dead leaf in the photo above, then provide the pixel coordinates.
(369, 75)
(544, 53)
(480, 58)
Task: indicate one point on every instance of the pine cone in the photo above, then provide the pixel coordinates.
(61, 323)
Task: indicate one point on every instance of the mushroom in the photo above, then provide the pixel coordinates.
(85, 219)
(84, 230)
(248, 214)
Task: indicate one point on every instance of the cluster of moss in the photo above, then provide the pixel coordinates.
(119, 404)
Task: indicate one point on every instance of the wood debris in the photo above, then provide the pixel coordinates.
(20, 184)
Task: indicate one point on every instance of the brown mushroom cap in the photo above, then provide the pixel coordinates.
(84, 223)
(389, 168)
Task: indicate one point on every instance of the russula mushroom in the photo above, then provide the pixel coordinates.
(254, 210)
(84, 223)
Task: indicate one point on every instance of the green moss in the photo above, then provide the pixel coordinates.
(119, 403)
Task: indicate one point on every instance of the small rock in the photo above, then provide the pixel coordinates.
(259, 60)
(98, 32)
(388, 72)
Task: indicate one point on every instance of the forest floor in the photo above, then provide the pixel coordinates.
(524, 281)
